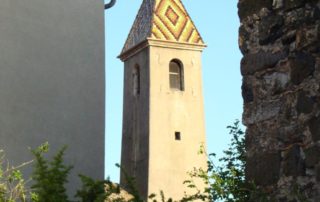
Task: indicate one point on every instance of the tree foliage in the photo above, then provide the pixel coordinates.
(12, 184)
(49, 177)
(225, 181)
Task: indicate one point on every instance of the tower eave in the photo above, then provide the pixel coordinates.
(133, 51)
(176, 44)
(160, 43)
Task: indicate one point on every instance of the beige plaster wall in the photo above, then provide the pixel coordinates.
(150, 152)
(135, 132)
(170, 111)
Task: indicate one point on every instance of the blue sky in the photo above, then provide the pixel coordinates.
(218, 23)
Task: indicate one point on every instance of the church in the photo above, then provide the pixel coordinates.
(163, 112)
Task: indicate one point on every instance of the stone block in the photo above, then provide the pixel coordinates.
(289, 37)
(277, 4)
(263, 168)
(252, 63)
(243, 38)
(262, 112)
(294, 19)
(304, 103)
(293, 163)
(250, 138)
(302, 19)
(249, 7)
(302, 66)
(293, 4)
(247, 92)
(312, 155)
(318, 173)
(270, 29)
(275, 82)
(307, 37)
(290, 134)
(314, 127)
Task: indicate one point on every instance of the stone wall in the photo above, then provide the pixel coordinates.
(280, 41)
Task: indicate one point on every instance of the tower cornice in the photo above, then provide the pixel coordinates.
(150, 42)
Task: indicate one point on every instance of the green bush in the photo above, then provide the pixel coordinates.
(94, 190)
(49, 177)
(12, 184)
(225, 181)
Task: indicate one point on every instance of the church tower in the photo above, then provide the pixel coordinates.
(163, 115)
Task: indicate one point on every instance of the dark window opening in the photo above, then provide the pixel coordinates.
(136, 80)
(176, 75)
(177, 135)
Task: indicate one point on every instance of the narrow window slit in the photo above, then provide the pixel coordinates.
(177, 135)
(136, 80)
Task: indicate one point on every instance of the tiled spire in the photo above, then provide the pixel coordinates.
(163, 20)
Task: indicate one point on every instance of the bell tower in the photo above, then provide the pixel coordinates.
(163, 115)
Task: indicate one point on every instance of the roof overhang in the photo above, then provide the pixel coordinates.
(161, 44)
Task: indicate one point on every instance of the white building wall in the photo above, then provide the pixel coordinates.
(52, 81)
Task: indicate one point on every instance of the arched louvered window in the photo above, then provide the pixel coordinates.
(136, 80)
(176, 75)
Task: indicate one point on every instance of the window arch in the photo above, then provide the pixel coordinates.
(176, 77)
(136, 80)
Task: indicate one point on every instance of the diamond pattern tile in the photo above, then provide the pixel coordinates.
(163, 20)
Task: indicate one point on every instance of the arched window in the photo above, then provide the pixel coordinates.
(176, 75)
(136, 80)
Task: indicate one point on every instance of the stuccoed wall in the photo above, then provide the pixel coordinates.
(150, 151)
(52, 81)
(280, 41)
(135, 128)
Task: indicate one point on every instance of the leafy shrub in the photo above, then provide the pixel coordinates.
(94, 190)
(49, 176)
(226, 181)
(12, 184)
(131, 184)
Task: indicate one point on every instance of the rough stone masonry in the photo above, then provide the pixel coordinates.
(280, 41)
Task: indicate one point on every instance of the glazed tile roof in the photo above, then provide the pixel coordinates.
(163, 20)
